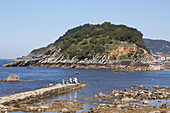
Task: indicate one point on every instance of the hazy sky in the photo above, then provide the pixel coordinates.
(29, 24)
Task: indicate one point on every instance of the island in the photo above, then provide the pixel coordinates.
(106, 46)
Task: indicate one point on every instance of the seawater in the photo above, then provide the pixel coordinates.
(98, 80)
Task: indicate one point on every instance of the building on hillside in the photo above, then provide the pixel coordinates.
(156, 63)
(161, 58)
(156, 58)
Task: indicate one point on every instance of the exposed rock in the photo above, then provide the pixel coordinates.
(139, 93)
(50, 85)
(64, 110)
(58, 85)
(125, 89)
(57, 105)
(84, 64)
(157, 87)
(101, 94)
(163, 106)
(155, 111)
(146, 88)
(2, 106)
(2, 79)
(95, 96)
(91, 109)
(141, 86)
(13, 78)
(145, 102)
(128, 99)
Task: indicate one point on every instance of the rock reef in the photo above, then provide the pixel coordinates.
(96, 63)
(147, 93)
(125, 100)
(12, 78)
(57, 105)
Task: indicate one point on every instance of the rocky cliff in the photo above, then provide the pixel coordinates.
(92, 46)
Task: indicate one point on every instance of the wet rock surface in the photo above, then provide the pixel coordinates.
(83, 64)
(139, 93)
(97, 62)
(125, 101)
(57, 105)
(12, 78)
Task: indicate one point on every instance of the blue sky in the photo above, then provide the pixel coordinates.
(29, 24)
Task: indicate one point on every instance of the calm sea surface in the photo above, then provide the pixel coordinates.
(99, 80)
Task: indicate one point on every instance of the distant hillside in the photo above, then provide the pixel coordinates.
(88, 41)
(158, 46)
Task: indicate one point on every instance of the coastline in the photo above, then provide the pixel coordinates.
(95, 103)
(127, 100)
(115, 67)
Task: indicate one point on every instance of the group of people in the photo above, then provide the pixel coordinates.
(73, 80)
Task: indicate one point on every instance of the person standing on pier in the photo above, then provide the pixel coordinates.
(75, 80)
(66, 82)
(63, 81)
(71, 80)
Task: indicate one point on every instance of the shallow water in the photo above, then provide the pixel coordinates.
(99, 80)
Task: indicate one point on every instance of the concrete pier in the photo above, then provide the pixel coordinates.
(37, 94)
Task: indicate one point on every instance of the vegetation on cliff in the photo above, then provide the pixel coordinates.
(89, 40)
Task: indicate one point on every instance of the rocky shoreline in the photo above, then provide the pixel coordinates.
(120, 101)
(116, 67)
(125, 100)
(57, 105)
(139, 93)
(53, 59)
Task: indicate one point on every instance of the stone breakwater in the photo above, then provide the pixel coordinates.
(28, 97)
